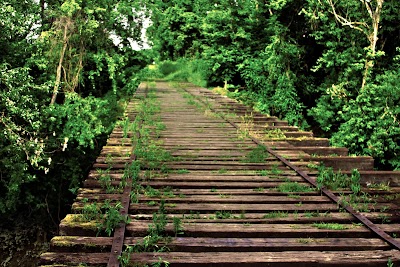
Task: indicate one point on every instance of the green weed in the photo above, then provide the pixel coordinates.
(257, 155)
(335, 180)
(222, 171)
(259, 189)
(178, 227)
(263, 172)
(275, 214)
(182, 171)
(275, 170)
(274, 134)
(330, 226)
(290, 187)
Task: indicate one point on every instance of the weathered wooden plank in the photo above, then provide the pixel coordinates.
(321, 151)
(81, 244)
(207, 207)
(241, 199)
(205, 244)
(310, 216)
(240, 230)
(347, 163)
(217, 185)
(238, 199)
(91, 259)
(279, 259)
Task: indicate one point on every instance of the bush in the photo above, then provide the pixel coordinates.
(372, 122)
(168, 67)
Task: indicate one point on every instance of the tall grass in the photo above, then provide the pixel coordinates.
(194, 71)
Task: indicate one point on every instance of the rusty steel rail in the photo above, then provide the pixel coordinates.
(370, 225)
(119, 233)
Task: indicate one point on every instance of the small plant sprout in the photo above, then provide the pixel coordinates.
(178, 228)
(275, 214)
(182, 171)
(290, 187)
(330, 226)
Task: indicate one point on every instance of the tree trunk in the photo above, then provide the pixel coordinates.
(59, 68)
(42, 4)
(373, 39)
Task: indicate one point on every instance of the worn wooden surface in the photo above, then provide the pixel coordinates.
(232, 211)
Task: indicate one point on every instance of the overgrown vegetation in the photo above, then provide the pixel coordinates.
(39, 133)
(150, 158)
(327, 65)
(257, 155)
(155, 241)
(67, 67)
(66, 70)
(336, 180)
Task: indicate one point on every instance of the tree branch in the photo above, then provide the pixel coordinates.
(369, 9)
(345, 22)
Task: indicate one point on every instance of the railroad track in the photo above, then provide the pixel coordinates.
(186, 181)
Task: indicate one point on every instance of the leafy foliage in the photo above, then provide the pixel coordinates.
(371, 121)
(66, 68)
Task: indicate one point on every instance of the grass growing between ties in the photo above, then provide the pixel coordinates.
(151, 158)
(336, 180)
(290, 187)
(106, 217)
(259, 189)
(263, 172)
(257, 155)
(360, 201)
(274, 134)
(156, 239)
(313, 214)
(330, 226)
(379, 186)
(182, 171)
(275, 214)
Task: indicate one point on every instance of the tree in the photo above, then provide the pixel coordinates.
(81, 52)
(370, 30)
(351, 95)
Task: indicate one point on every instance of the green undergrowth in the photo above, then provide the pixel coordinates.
(257, 155)
(22, 243)
(181, 70)
(330, 226)
(156, 240)
(332, 180)
(290, 187)
(337, 181)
